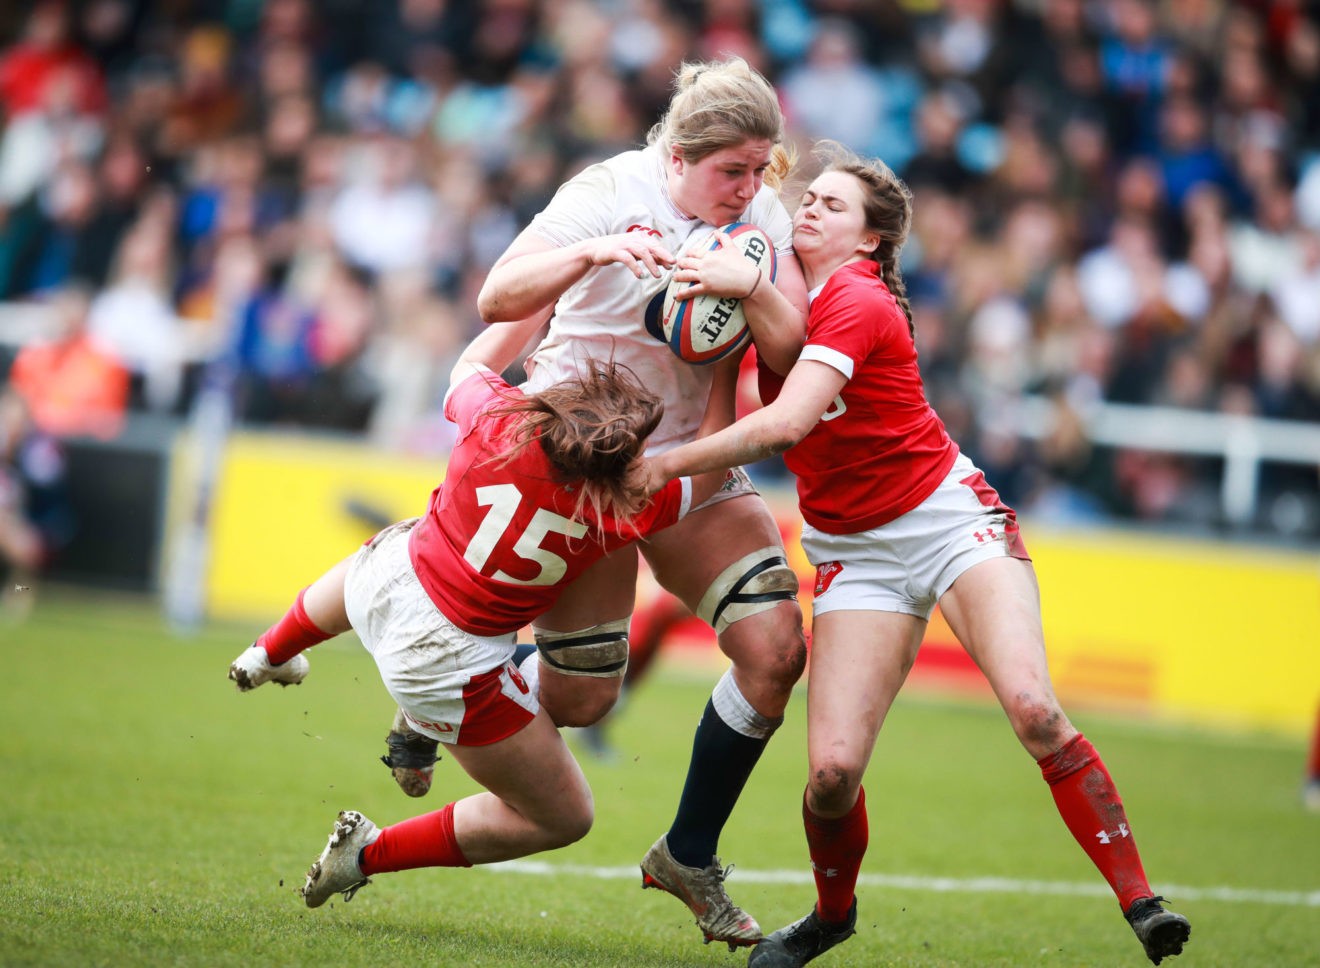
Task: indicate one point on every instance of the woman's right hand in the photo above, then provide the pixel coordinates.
(637, 251)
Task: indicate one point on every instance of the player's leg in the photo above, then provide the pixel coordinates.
(22, 550)
(316, 614)
(1311, 785)
(576, 669)
(536, 799)
(582, 642)
(859, 661)
(726, 562)
(650, 625)
(994, 610)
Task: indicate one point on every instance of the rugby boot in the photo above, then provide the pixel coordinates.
(801, 941)
(336, 871)
(412, 757)
(1162, 933)
(253, 668)
(702, 890)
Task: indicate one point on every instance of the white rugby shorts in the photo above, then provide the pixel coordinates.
(452, 685)
(736, 484)
(908, 563)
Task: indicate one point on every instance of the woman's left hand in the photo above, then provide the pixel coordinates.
(722, 271)
(644, 479)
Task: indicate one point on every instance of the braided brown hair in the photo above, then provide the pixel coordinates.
(887, 205)
(591, 427)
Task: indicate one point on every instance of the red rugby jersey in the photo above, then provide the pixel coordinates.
(880, 449)
(498, 542)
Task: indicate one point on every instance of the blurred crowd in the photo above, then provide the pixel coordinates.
(294, 202)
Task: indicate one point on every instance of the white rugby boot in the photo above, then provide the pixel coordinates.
(336, 871)
(253, 668)
(702, 890)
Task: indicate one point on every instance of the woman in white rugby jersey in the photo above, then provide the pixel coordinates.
(897, 519)
(589, 264)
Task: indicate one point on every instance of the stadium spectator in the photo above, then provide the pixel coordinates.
(38, 141)
(835, 94)
(1187, 156)
(47, 55)
(207, 104)
(37, 519)
(912, 498)
(382, 219)
(271, 352)
(940, 119)
(134, 316)
(557, 465)
(1135, 61)
(595, 258)
(71, 385)
(52, 99)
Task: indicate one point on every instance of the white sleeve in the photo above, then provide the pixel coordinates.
(830, 357)
(685, 502)
(768, 213)
(581, 209)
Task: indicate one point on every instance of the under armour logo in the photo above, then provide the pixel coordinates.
(982, 538)
(1105, 836)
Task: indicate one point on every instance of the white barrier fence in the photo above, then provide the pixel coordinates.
(1243, 442)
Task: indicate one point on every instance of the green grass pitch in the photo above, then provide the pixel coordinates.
(154, 816)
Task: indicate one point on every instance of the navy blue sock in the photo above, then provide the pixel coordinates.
(722, 760)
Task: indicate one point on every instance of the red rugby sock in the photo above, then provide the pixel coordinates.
(291, 634)
(425, 841)
(836, 847)
(1093, 812)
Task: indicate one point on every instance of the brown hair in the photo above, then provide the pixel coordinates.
(719, 104)
(887, 206)
(591, 427)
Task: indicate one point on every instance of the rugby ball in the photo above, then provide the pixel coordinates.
(709, 328)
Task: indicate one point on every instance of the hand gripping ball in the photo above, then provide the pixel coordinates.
(708, 328)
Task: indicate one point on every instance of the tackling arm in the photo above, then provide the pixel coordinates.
(497, 346)
(808, 392)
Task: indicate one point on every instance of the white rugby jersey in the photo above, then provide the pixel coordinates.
(604, 311)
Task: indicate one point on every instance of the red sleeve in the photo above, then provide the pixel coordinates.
(666, 507)
(843, 319)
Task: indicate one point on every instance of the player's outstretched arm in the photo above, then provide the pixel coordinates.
(808, 392)
(498, 346)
